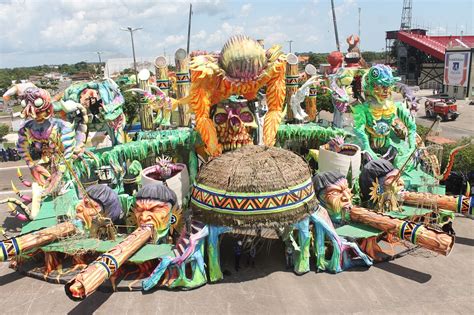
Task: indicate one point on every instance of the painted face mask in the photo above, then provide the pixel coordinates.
(87, 210)
(378, 83)
(338, 198)
(234, 122)
(155, 213)
(392, 183)
(101, 201)
(334, 193)
(36, 104)
(381, 93)
(154, 206)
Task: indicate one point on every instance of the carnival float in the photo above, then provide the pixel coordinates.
(236, 149)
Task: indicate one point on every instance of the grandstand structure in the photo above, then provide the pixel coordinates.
(420, 58)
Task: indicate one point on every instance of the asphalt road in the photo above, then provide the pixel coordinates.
(463, 126)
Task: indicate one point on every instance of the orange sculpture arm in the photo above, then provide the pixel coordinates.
(276, 90)
(200, 102)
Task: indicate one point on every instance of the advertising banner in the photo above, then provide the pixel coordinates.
(456, 68)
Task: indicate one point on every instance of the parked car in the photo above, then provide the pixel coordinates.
(445, 108)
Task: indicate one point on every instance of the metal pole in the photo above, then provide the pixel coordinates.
(134, 59)
(359, 27)
(289, 42)
(335, 25)
(131, 30)
(189, 26)
(98, 54)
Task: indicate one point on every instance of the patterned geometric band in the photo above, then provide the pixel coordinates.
(182, 77)
(10, 249)
(313, 92)
(109, 263)
(408, 231)
(465, 205)
(241, 203)
(292, 80)
(163, 84)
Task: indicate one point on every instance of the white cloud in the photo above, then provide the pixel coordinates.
(173, 40)
(245, 9)
(68, 31)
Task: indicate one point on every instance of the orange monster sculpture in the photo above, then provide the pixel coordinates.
(242, 68)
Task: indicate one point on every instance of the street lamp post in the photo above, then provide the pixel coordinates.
(131, 30)
(100, 62)
(98, 54)
(290, 42)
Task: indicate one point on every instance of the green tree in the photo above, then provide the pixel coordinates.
(4, 130)
(317, 58)
(131, 104)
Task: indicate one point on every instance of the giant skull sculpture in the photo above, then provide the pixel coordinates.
(234, 122)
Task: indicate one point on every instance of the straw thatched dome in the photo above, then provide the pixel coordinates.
(253, 185)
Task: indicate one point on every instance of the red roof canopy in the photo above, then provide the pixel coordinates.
(435, 45)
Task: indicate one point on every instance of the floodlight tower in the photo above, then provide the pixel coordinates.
(405, 25)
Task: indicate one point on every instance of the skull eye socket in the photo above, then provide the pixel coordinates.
(39, 102)
(23, 103)
(246, 117)
(220, 118)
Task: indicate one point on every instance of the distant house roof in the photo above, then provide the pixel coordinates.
(303, 58)
(81, 76)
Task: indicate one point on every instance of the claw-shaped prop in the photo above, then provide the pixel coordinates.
(344, 255)
(18, 209)
(22, 180)
(24, 198)
(190, 249)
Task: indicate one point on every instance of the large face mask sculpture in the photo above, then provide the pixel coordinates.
(102, 201)
(393, 182)
(154, 207)
(234, 122)
(379, 82)
(36, 104)
(334, 193)
(90, 99)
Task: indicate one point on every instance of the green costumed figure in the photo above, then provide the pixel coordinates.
(383, 127)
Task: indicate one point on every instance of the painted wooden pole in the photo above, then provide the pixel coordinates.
(87, 282)
(459, 204)
(161, 71)
(146, 111)
(292, 76)
(14, 246)
(183, 82)
(418, 234)
(311, 103)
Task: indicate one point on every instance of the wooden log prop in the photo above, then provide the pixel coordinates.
(107, 264)
(460, 204)
(183, 81)
(292, 77)
(418, 234)
(311, 103)
(14, 246)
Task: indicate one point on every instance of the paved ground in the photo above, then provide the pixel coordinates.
(417, 283)
(461, 127)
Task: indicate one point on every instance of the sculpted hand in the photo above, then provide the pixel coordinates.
(40, 174)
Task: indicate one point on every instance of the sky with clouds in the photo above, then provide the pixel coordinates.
(36, 32)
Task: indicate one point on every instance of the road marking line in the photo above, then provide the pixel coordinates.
(13, 167)
(8, 192)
